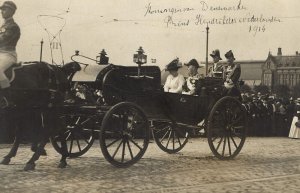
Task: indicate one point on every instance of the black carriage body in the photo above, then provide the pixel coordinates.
(129, 101)
(121, 83)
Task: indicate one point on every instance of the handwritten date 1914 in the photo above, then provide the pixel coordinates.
(254, 29)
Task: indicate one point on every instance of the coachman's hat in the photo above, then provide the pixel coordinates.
(229, 54)
(216, 53)
(193, 62)
(173, 65)
(9, 4)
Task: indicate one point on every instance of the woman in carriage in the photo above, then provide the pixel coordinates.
(175, 80)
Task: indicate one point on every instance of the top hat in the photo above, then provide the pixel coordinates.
(229, 54)
(193, 62)
(9, 4)
(173, 65)
(216, 53)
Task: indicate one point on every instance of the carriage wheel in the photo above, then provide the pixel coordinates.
(79, 135)
(170, 138)
(226, 131)
(124, 134)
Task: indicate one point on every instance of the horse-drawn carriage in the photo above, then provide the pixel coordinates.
(123, 105)
(120, 106)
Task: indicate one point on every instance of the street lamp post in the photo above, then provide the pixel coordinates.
(41, 50)
(206, 63)
(140, 58)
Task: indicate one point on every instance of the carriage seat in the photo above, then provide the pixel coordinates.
(10, 72)
(210, 85)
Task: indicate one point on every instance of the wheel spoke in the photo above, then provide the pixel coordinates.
(69, 135)
(164, 136)
(123, 151)
(233, 142)
(78, 144)
(214, 139)
(173, 139)
(135, 144)
(237, 135)
(160, 130)
(224, 146)
(171, 131)
(229, 148)
(77, 121)
(113, 156)
(83, 122)
(179, 140)
(219, 143)
(112, 142)
(129, 148)
(82, 137)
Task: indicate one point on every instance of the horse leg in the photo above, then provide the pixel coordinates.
(30, 165)
(14, 149)
(64, 155)
(37, 123)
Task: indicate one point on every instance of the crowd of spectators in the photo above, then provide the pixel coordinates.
(268, 115)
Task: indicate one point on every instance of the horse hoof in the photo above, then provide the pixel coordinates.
(5, 161)
(62, 164)
(29, 167)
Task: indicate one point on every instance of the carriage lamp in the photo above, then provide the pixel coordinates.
(140, 58)
(102, 59)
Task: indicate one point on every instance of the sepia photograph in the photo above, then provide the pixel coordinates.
(149, 96)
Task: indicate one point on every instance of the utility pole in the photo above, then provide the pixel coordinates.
(206, 63)
(41, 53)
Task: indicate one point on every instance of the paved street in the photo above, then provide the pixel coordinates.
(264, 165)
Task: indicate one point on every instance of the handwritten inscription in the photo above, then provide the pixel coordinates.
(203, 14)
(206, 7)
(151, 11)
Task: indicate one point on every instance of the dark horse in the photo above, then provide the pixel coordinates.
(39, 89)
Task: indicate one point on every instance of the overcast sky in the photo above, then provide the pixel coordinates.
(121, 26)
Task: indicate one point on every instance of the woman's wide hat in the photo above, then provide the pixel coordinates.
(174, 65)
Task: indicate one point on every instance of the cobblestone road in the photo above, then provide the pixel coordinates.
(264, 165)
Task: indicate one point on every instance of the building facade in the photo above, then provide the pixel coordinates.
(281, 70)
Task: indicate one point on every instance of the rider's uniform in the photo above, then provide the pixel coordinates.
(9, 36)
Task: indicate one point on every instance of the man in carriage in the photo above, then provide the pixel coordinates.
(232, 75)
(9, 36)
(217, 69)
(190, 85)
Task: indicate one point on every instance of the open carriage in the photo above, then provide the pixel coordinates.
(120, 106)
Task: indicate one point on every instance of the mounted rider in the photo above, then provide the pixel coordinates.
(9, 36)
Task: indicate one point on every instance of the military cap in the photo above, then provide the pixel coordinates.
(229, 54)
(193, 62)
(9, 4)
(216, 53)
(173, 65)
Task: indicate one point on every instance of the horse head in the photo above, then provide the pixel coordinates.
(71, 68)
